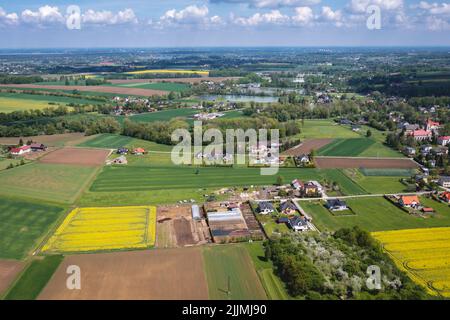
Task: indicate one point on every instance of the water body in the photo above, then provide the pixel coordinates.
(239, 98)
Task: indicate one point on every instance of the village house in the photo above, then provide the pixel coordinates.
(297, 185)
(265, 207)
(421, 135)
(336, 205)
(20, 150)
(432, 125)
(445, 196)
(409, 201)
(139, 151)
(122, 151)
(444, 181)
(425, 149)
(302, 159)
(443, 140)
(298, 223)
(288, 208)
(409, 151)
(410, 128)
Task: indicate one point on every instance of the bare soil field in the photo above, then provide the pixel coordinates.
(176, 228)
(107, 89)
(180, 80)
(76, 156)
(369, 163)
(8, 272)
(170, 274)
(49, 140)
(307, 146)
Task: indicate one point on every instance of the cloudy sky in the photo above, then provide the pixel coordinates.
(152, 23)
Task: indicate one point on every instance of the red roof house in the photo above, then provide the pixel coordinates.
(21, 150)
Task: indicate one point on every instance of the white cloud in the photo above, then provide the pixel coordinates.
(303, 15)
(333, 16)
(360, 6)
(45, 15)
(272, 17)
(192, 15)
(437, 24)
(435, 8)
(8, 18)
(271, 4)
(126, 16)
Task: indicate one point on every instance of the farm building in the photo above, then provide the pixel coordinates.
(139, 151)
(288, 208)
(227, 225)
(445, 197)
(196, 212)
(38, 147)
(122, 151)
(336, 205)
(20, 151)
(409, 201)
(265, 207)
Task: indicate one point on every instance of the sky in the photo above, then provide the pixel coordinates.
(192, 23)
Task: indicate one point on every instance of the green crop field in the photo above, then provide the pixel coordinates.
(164, 86)
(371, 214)
(165, 115)
(9, 105)
(107, 141)
(49, 182)
(34, 279)
(377, 184)
(23, 224)
(273, 285)
(346, 147)
(387, 172)
(233, 263)
(47, 98)
(325, 129)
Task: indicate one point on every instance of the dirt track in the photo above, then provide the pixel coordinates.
(8, 272)
(106, 89)
(181, 80)
(169, 274)
(349, 163)
(307, 146)
(77, 156)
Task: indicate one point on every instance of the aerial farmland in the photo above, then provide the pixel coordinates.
(90, 185)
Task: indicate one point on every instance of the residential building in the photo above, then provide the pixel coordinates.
(298, 223)
(421, 135)
(336, 205)
(444, 181)
(288, 208)
(409, 201)
(432, 125)
(38, 147)
(265, 207)
(443, 140)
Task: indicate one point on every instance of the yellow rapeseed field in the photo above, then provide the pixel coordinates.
(203, 73)
(424, 254)
(109, 228)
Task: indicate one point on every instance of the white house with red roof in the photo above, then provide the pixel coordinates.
(443, 140)
(421, 135)
(432, 125)
(20, 151)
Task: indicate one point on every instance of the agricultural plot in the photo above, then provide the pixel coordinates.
(49, 182)
(424, 254)
(34, 278)
(345, 147)
(46, 98)
(231, 275)
(8, 272)
(76, 156)
(379, 181)
(55, 140)
(348, 163)
(165, 115)
(23, 225)
(11, 104)
(307, 146)
(325, 129)
(163, 86)
(176, 274)
(107, 141)
(170, 71)
(372, 214)
(113, 228)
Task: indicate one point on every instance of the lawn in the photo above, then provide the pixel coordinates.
(164, 86)
(378, 184)
(49, 182)
(230, 274)
(23, 225)
(34, 279)
(273, 285)
(325, 129)
(371, 214)
(110, 228)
